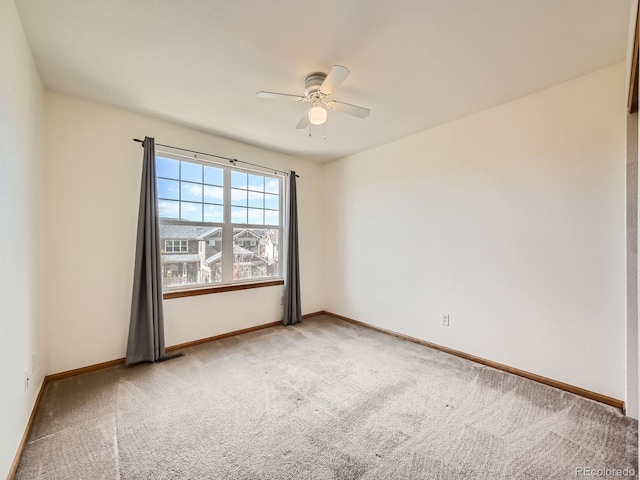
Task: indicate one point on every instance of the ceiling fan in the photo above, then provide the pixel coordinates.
(318, 87)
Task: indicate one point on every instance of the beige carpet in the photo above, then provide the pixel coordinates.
(322, 400)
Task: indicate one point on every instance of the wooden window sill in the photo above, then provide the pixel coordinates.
(219, 289)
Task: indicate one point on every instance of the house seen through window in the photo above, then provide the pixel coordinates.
(218, 224)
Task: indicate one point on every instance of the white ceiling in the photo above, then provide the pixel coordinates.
(414, 63)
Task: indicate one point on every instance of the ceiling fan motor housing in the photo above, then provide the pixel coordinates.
(312, 83)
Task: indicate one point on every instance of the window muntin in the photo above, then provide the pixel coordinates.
(230, 218)
(255, 199)
(189, 191)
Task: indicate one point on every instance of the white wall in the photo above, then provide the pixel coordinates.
(21, 233)
(511, 220)
(93, 184)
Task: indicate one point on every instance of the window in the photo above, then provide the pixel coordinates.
(176, 246)
(218, 224)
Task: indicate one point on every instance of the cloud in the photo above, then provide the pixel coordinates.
(239, 215)
(272, 185)
(271, 218)
(168, 209)
(213, 194)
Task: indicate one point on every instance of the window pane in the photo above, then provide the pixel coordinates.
(191, 172)
(213, 194)
(238, 215)
(238, 197)
(191, 192)
(169, 189)
(272, 202)
(272, 185)
(256, 216)
(168, 209)
(271, 217)
(238, 179)
(191, 211)
(256, 182)
(256, 200)
(213, 213)
(213, 176)
(255, 253)
(168, 168)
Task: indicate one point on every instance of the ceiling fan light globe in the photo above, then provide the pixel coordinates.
(317, 115)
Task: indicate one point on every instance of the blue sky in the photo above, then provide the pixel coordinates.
(195, 192)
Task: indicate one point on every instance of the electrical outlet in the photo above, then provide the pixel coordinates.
(445, 320)
(26, 380)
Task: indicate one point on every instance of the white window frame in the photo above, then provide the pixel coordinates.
(173, 242)
(227, 226)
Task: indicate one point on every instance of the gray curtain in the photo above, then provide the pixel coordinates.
(292, 310)
(146, 327)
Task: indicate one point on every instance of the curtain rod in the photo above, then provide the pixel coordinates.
(231, 160)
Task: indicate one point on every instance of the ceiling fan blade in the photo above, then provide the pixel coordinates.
(337, 75)
(349, 109)
(304, 120)
(281, 96)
